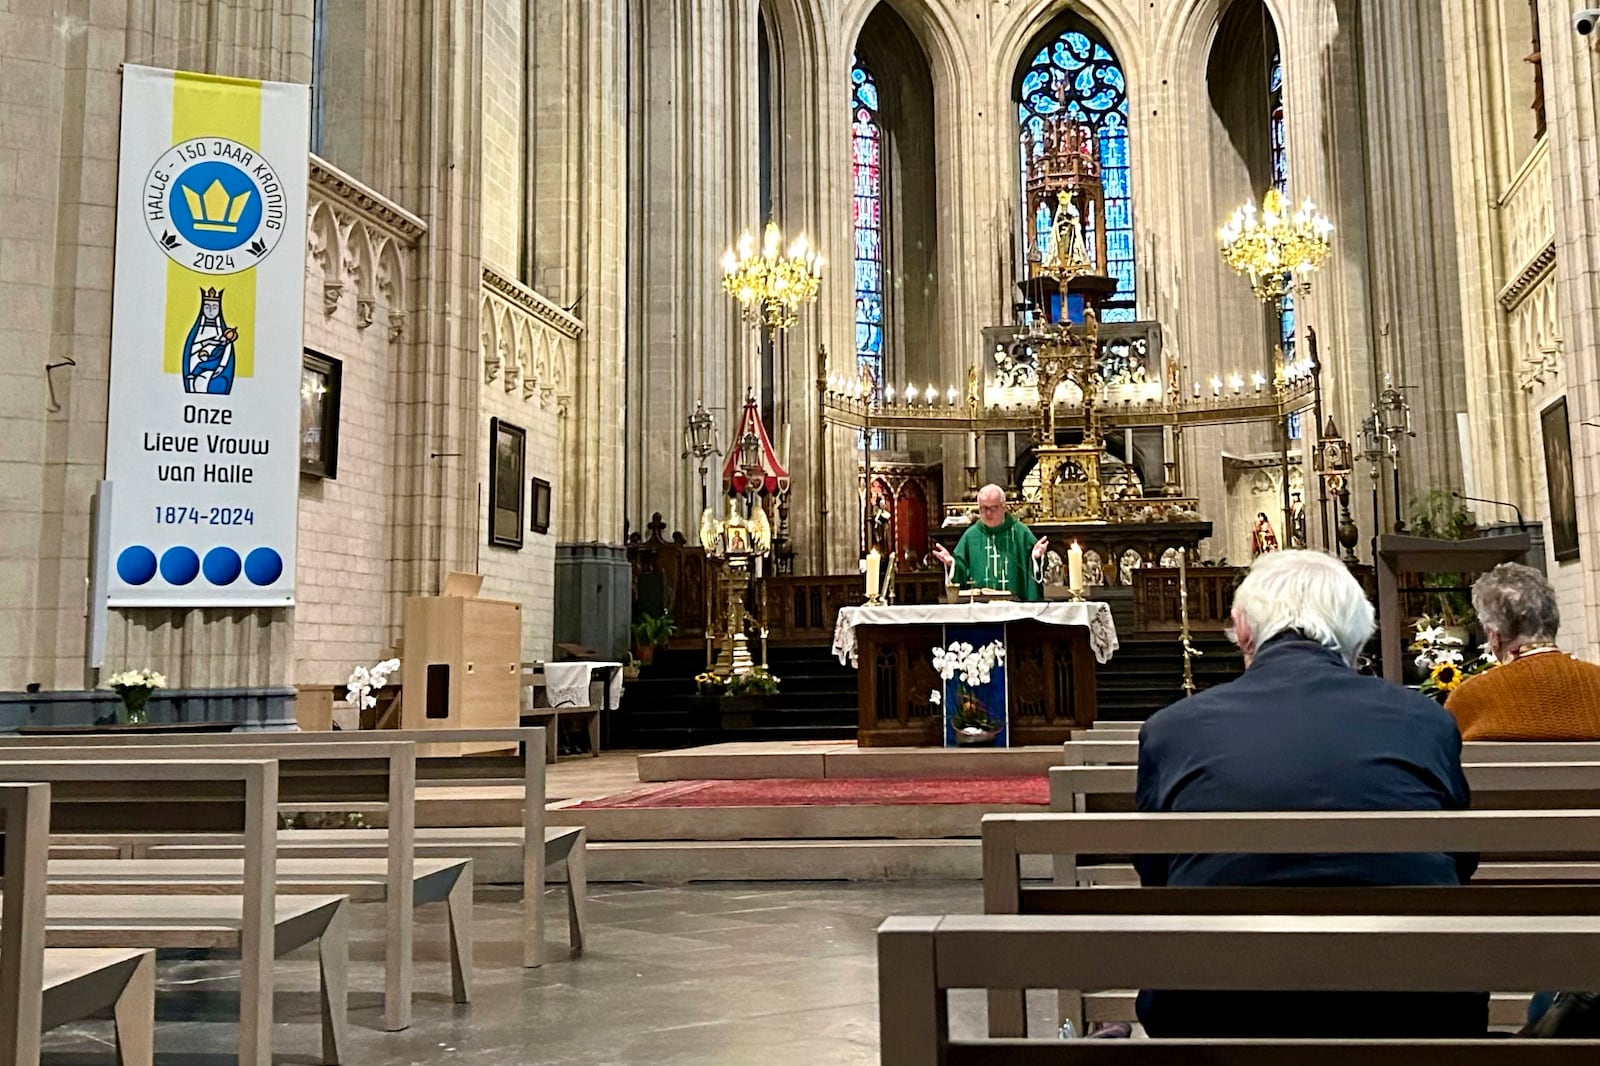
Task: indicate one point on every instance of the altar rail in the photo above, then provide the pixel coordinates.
(1156, 607)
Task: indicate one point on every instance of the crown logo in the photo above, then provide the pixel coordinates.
(211, 294)
(214, 209)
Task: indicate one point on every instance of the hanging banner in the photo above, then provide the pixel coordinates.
(209, 294)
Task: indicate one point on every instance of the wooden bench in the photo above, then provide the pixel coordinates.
(42, 988)
(1009, 837)
(372, 776)
(920, 959)
(237, 796)
(550, 717)
(521, 831)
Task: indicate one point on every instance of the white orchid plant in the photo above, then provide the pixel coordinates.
(972, 667)
(1441, 657)
(364, 680)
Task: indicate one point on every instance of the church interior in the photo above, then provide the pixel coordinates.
(755, 470)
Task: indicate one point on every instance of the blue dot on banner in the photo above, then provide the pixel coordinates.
(222, 566)
(180, 565)
(263, 566)
(136, 565)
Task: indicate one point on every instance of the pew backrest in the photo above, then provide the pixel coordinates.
(25, 823)
(1110, 747)
(920, 959)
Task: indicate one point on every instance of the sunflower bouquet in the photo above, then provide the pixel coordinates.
(1441, 656)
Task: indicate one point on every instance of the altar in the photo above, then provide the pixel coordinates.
(1047, 683)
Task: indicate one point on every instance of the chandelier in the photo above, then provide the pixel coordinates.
(1277, 251)
(770, 286)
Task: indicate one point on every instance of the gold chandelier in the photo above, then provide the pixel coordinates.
(770, 286)
(1277, 251)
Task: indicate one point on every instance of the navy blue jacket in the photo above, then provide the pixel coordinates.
(1302, 731)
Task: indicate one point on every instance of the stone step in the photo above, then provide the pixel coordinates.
(931, 821)
(809, 860)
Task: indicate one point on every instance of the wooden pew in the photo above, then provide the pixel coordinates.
(372, 776)
(1008, 837)
(521, 834)
(921, 958)
(238, 796)
(41, 988)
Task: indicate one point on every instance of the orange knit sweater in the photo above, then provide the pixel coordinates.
(1547, 696)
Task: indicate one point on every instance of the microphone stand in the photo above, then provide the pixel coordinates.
(1521, 523)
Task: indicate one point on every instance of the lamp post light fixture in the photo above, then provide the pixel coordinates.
(701, 440)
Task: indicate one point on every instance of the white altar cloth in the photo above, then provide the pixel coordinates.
(1095, 616)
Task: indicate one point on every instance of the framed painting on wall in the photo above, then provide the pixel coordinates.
(1558, 479)
(507, 457)
(541, 505)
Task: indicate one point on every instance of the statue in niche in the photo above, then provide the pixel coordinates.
(1262, 537)
(1297, 522)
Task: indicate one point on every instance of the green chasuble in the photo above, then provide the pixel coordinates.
(999, 558)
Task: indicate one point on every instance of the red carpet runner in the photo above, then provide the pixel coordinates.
(833, 792)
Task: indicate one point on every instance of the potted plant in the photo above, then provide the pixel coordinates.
(134, 688)
(758, 682)
(710, 684)
(746, 694)
(971, 668)
(1438, 514)
(650, 632)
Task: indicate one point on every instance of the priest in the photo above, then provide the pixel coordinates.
(997, 552)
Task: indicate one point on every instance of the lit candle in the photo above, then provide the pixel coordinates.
(1258, 379)
(932, 395)
(1075, 569)
(951, 396)
(888, 394)
(874, 561)
(1197, 390)
(1216, 386)
(1236, 383)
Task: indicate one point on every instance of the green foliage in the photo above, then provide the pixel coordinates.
(1436, 513)
(652, 630)
(758, 682)
(971, 714)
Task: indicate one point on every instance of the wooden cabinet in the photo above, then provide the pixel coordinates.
(462, 667)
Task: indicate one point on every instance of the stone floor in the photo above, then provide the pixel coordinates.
(704, 974)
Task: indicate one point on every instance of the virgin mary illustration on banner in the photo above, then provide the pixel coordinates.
(208, 358)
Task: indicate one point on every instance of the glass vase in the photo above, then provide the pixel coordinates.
(134, 700)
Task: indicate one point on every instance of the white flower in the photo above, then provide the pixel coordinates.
(1429, 634)
(936, 698)
(136, 679)
(1447, 655)
(1424, 662)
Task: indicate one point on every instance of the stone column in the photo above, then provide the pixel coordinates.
(579, 137)
(1572, 102)
(1484, 159)
(1416, 295)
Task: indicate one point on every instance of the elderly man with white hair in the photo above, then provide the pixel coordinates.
(1302, 730)
(996, 552)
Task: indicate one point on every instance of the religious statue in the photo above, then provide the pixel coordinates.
(882, 522)
(996, 552)
(1297, 522)
(1262, 538)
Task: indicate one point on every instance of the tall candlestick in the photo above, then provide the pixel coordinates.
(1075, 569)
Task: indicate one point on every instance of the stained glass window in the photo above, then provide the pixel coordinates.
(866, 165)
(1280, 181)
(1085, 74)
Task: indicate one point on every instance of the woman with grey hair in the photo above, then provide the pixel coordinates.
(1537, 693)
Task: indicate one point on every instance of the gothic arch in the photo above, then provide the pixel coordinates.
(1188, 33)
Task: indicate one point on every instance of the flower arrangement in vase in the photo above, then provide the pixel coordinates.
(970, 667)
(1440, 657)
(134, 687)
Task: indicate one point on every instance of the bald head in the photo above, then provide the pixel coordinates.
(992, 505)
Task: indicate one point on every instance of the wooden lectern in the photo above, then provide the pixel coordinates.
(1399, 554)
(462, 667)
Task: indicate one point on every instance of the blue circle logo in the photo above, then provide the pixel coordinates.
(179, 565)
(263, 566)
(214, 205)
(136, 565)
(222, 566)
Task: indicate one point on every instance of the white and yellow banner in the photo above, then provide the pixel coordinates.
(209, 293)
